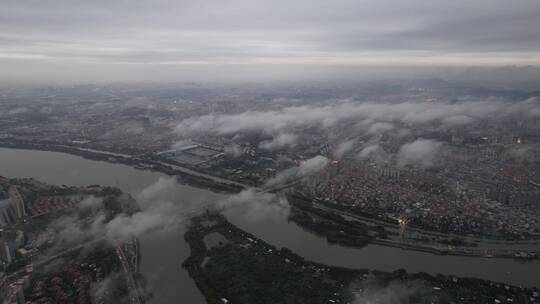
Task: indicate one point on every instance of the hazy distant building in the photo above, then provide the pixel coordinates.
(17, 202)
(8, 216)
(7, 250)
(457, 140)
(388, 172)
(20, 239)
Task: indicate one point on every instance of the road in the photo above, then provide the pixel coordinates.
(484, 245)
(135, 296)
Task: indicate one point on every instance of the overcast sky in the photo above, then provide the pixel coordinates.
(67, 38)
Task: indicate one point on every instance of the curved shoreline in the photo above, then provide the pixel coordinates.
(238, 248)
(60, 168)
(185, 175)
(200, 180)
(312, 207)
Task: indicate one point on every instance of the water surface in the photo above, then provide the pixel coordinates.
(163, 253)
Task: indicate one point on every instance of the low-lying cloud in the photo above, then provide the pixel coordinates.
(369, 151)
(254, 204)
(395, 292)
(307, 167)
(344, 148)
(421, 152)
(380, 115)
(91, 222)
(280, 141)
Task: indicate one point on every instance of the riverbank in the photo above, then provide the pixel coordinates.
(217, 184)
(143, 162)
(40, 235)
(334, 223)
(171, 282)
(231, 265)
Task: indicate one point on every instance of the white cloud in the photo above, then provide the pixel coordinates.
(255, 205)
(307, 167)
(457, 120)
(368, 151)
(159, 214)
(280, 141)
(421, 152)
(380, 116)
(379, 127)
(344, 148)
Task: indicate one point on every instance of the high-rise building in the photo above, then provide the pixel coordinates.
(17, 202)
(7, 213)
(7, 251)
(19, 239)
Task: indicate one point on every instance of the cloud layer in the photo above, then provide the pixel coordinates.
(422, 152)
(307, 167)
(90, 221)
(101, 37)
(372, 117)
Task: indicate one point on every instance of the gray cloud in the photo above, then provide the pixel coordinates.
(90, 203)
(162, 212)
(280, 141)
(307, 167)
(233, 150)
(369, 151)
(379, 127)
(394, 292)
(159, 214)
(421, 152)
(256, 205)
(127, 36)
(457, 120)
(312, 165)
(375, 117)
(344, 148)
(18, 110)
(522, 153)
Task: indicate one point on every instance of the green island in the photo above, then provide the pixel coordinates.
(230, 265)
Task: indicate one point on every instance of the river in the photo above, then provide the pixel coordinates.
(163, 253)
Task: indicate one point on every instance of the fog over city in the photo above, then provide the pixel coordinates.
(270, 152)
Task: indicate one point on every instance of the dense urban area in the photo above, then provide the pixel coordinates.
(427, 165)
(438, 156)
(270, 152)
(49, 253)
